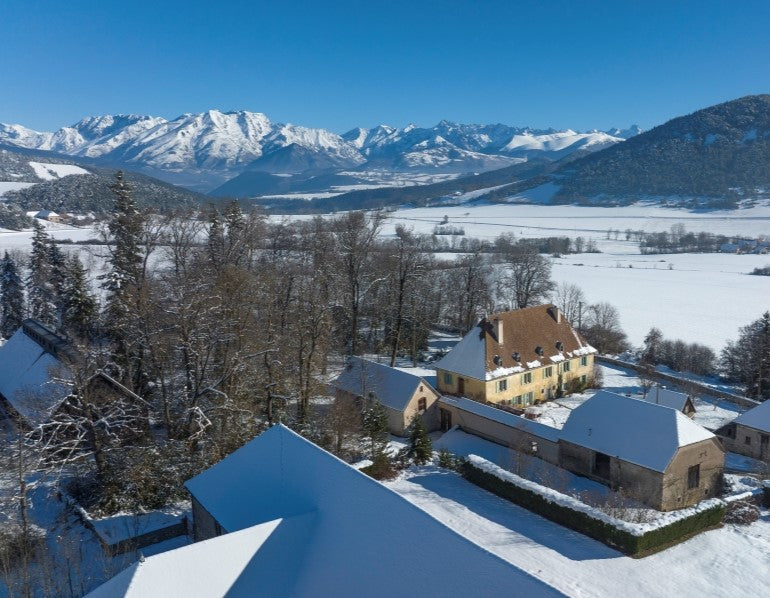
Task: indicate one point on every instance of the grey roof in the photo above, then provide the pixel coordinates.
(32, 379)
(503, 417)
(392, 387)
(305, 523)
(665, 397)
(757, 417)
(468, 357)
(643, 433)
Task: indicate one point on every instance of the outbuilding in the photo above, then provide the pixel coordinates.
(402, 394)
(655, 453)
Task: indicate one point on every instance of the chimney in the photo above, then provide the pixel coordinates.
(555, 313)
(499, 330)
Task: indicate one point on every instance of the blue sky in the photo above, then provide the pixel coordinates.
(339, 64)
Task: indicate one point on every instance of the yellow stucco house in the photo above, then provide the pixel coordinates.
(517, 358)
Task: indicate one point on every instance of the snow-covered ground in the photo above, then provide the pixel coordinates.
(731, 561)
(6, 186)
(50, 172)
(487, 221)
(710, 412)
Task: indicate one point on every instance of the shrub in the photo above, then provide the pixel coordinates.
(382, 468)
(581, 522)
(741, 512)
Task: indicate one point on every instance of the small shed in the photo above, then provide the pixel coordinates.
(402, 394)
(670, 398)
(655, 453)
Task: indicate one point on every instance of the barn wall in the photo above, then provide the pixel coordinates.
(710, 455)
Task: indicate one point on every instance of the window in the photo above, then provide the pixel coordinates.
(747, 441)
(517, 400)
(583, 361)
(565, 366)
(447, 378)
(528, 398)
(548, 372)
(693, 477)
(502, 385)
(526, 378)
(583, 379)
(422, 404)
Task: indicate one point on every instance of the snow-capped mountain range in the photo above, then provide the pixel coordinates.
(206, 149)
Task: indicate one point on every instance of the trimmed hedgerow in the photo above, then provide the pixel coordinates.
(620, 539)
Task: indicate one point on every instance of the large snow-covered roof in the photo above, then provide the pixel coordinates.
(482, 355)
(305, 523)
(636, 431)
(392, 387)
(757, 417)
(503, 417)
(31, 376)
(665, 397)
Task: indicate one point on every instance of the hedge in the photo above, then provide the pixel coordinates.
(620, 539)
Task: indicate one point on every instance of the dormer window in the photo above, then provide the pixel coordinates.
(559, 346)
(539, 351)
(515, 355)
(497, 360)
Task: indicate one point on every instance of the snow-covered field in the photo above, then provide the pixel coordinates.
(487, 221)
(50, 172)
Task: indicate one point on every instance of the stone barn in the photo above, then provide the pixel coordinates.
(655, 453)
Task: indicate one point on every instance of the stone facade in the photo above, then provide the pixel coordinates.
(746, 441)
(695, 473)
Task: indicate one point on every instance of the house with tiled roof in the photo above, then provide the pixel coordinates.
(402, 394)
(517, 358)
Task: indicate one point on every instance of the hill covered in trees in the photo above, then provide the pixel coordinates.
(721, 152)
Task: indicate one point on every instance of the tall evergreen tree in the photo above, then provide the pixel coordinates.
(123, 283)
(375, 427)
(58, 269)
(11, 296)
(79, 305)
(420, 446)
(41, 295)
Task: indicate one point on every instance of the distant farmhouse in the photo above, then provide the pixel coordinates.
(749, 433)
(402, 394)
(35, 379)
(518, 358)
(48, 215)
(282, 517)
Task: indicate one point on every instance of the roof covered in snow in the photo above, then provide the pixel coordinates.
(393, 387)
(757, 417)
(305, 523)
(31, 375)
(484, 356)
(667, 398)
(503, 417)
(636, 431)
